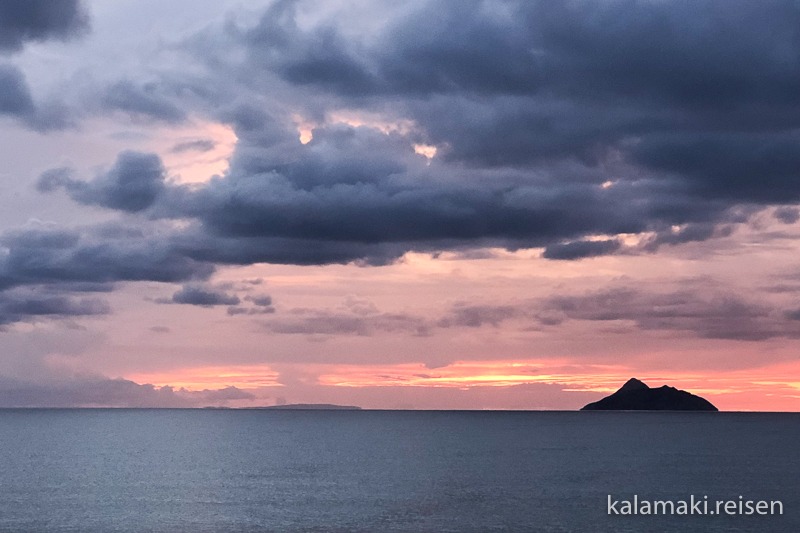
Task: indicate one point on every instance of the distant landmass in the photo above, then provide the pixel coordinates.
(636, 396)
(312, 407)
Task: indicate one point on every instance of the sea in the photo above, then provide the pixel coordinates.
(216, 470)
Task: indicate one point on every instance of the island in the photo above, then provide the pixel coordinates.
(637, 396)
(309, 407)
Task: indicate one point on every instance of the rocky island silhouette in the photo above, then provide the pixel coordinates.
(635, 395)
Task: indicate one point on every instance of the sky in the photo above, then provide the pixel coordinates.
(419, 205)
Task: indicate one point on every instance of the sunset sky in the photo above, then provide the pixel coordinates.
(430, 205)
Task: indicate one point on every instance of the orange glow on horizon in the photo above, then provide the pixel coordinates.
(469, 373)
(738, 390)
(212, 377)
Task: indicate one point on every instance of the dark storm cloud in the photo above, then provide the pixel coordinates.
(743, 166)
(357, 193)
(706, 105)
(532, 106)
(557, 125)
(328, 203)
(206, 245)
(694, 54)
(22, 21)
(320, 56)
(132, 184)
(103, 254)
(45, 270)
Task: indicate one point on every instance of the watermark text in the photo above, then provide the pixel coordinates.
(694, 505)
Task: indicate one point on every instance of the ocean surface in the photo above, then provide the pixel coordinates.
(198, 471)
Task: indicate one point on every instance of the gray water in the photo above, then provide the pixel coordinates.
(387, 471)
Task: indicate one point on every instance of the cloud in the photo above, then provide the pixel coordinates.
(556, 126)
(322, 207)
(520, 140)
(263, 300)
(793, 314)
(581, 249)
(195, 145)
(708, 313)
(337, 322)
(319, 56)
(225, 394)
(332, 203)
(143, 101)
(203, 296)
(504, 176)
(24, 21)
(132, 184)
(238, 310)
(687, 233)
(741, 166)
(16, 306)
(15, 97)
(17, 102)
(704, 310)
(98, 391)
(262, 305)
(582, 50)
(787, 215)
(474, 316)
(101, 254)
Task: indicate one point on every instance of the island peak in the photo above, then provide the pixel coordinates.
(633, 384)
(635, 395)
